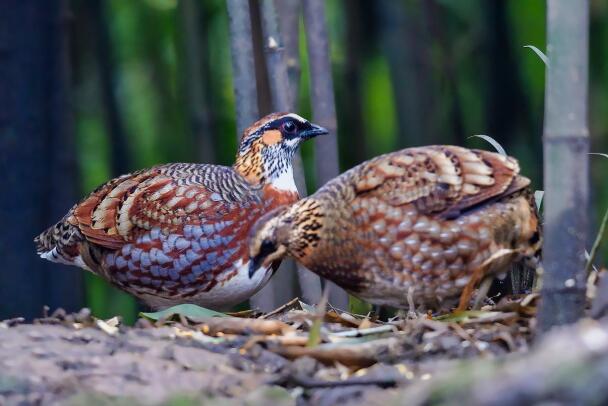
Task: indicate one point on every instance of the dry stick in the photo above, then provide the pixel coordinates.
(237, 325)
(293, 303)
(282, 100)
(323, 105)
(193, 86)
(566, 171)
(245, 92)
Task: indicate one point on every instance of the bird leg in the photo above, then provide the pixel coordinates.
(482, 292)
(411, 313)
(467, 292)
(480, 273)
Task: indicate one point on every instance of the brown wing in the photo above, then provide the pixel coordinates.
(166, 197)
(440, 180)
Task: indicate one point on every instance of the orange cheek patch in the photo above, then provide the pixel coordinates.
(272, 137)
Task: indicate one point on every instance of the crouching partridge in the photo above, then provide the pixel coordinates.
(177, 233)
(426, 223)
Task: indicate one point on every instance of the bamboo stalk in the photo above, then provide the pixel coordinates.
(566, 146)
(245, 92)
(288, 12)
(243, 71)
(274, 54)
(323, 105)
(283, 100)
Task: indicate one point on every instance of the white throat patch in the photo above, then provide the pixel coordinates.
(285, 181)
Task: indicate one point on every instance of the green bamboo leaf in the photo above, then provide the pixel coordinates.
(492, 141)
(540, 54)
(314, 335)
(187, 310)
(457, 317)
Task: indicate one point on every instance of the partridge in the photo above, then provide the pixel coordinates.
(178, 232)
(422, 224)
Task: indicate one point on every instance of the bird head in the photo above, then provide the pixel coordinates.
(268, 239)
(294, 230)
(267, 147)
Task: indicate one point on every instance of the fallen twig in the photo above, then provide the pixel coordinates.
(355, 355)
(387, 328)
(293, 303)
(235, 325)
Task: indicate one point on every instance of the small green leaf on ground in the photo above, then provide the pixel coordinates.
(187, 310)
(540, 54)
(538, 198)
(358, 306)
(492, 141)
(307, 308)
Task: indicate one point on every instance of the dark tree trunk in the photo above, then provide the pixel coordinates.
(192, 80)
(170, 118)
(119, 152)
(566, 176)
(406, 42)
(354, 144)
(506, 107)
(323, 106)
(36, 155)
(437, 26)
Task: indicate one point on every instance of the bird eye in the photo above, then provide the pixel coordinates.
(289, 127)
(267, 248)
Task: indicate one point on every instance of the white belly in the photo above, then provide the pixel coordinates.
(223, 295)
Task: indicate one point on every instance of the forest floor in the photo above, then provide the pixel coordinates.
(300, 355)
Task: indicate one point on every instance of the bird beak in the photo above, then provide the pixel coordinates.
(313, 132)
(254, 265)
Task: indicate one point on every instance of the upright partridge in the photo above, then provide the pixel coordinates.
(177, 233)
(422, 223)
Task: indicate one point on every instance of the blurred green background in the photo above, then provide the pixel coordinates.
(462, 62)
(405, 73)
